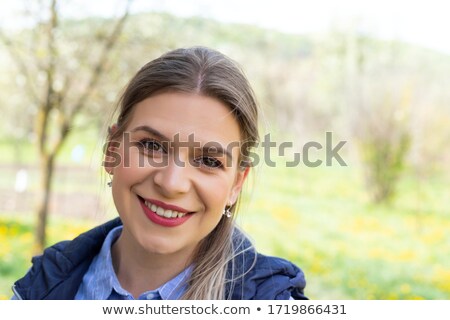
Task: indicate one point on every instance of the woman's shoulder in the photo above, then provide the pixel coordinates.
(84, 246)
(275, 278)
(263, 276)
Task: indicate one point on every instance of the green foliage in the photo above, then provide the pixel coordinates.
(385, 161)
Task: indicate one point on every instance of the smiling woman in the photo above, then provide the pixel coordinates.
(178, 157)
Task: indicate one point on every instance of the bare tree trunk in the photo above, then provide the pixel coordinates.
(45, 153)
(47, 170)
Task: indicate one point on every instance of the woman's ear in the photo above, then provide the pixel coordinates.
(238, 183)
(112, 130)
(111, 155)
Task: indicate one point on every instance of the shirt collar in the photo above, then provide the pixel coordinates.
(106, 283)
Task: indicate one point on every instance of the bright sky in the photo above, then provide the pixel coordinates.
(424, 22)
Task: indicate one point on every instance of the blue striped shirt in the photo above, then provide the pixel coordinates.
(100, 281)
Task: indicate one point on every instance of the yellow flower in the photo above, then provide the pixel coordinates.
(441, 278)
(405, 288)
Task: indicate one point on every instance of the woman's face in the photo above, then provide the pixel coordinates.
(170, 190)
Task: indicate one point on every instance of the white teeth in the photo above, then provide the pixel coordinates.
(164, 213)
(168, 213)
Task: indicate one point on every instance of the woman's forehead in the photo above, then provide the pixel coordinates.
(183, 116)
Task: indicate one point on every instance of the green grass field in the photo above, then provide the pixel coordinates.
(322, 220)
(348, 248)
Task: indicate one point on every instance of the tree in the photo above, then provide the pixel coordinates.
(52, 85)
(382, 93)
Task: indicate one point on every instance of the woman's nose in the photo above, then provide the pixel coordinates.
(173, 178)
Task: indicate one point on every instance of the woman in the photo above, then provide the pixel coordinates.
(177, 157)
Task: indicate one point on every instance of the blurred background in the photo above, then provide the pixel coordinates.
(374, 74)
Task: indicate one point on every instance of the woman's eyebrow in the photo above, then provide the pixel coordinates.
(213, 148)
(152, 131)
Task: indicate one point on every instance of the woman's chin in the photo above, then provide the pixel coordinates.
(161, 246)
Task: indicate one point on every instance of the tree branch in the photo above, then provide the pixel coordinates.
(51, 96)
(66, 120)
(102, 61)
(16, 56)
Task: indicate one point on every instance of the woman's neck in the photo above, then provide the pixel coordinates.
(138, 270)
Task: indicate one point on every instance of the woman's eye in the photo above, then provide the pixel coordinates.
(210, 162)
(152, 146)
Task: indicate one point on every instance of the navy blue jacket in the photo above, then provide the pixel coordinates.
(57, 274)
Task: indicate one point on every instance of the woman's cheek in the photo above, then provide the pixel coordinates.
(216, 190)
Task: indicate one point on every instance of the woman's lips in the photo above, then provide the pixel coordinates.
(166, 206)
(163, 215)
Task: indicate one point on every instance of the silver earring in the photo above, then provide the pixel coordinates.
(110, 180)
(227, 212)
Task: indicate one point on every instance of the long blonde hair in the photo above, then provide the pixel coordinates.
(207, 72)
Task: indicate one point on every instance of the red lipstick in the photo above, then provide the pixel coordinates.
(166, 206)
(163, 221)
